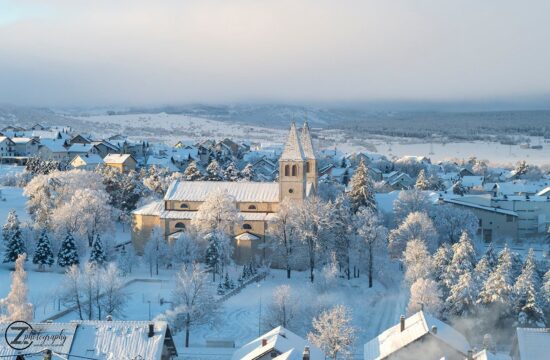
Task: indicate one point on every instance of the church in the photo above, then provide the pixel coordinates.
(257, 202)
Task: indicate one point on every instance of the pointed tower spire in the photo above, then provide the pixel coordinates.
(307, 144)
(293, 147)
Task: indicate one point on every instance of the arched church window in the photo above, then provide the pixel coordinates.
(287, 170)
(180, 225)
(247, 227)
(294, 170)
(184, 206)
(307, 167)
(251, 207)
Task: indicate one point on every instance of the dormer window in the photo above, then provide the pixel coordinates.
(184, 206)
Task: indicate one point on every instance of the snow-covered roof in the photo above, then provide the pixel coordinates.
(90, 159)
(246, 236)
(116, 158)
(533, 343)
(289, 345)
(82, 148)
(190, 215)
(521, 187)
(472, 181)
(55, 146)
(416, 326)
(544, 192)
(162, 162)
(482, 207)
(21, 140)
(2, 138)
(486, 355)
(153, 208)
(293, 147)
(245, 191)
(106, 340)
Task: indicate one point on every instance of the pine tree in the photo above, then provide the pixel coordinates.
(497, 290)
(67, 253)
(248, 173)
(463, 295)
(97, 255)
(491, 256)
(213, 258)
(362, 193)
(43, 254)
(231, 173)
(13, 238)
(463, 260)
(192, 172)
(527, 302)
(441, 260)
(481, 272)
(421, 182)
(213, 171)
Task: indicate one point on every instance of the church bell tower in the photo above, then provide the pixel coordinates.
(292, 168)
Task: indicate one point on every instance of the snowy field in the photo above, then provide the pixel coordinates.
(12, 198)
(171, 128)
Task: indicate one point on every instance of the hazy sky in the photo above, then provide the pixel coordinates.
(134, 52)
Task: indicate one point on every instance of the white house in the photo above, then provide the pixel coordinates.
(25, 146)
(7, 147)
(279, 344)
(531, 344)
(51, 149)
(420, 336)
(86, 162)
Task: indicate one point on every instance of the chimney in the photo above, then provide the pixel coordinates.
(402, 323)
(470, 355)
(264, 342)
(434, 329)
(151, 332)
(305, 355)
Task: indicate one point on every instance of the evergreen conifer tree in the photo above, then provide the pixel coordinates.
(13, 238)
(68, 254)
(362, 193)
(421, 181)
(192, 172)
(97, 255)
(43, 255)
(527, 302)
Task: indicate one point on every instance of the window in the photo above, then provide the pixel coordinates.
(487, 235)
(251, 207)
(247, 227)
(294, 170)
(184, 206)
(307, 167)
(287, 170)
(180, 225)
(509, 218)
(291, 190)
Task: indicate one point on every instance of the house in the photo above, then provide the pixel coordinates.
(86, 162)
(7, 147)
(25, 146)
(101, 340)
(81, 149)
(465, 172)
(121, 162)
(279, 344)
(51, 149)
(265, 169)
(80, 139)
(531, 344)
(256, 202)
(103, 148)
(162, 162)
(518, 187)
(473, 182)
(398, 180)
(420, 336)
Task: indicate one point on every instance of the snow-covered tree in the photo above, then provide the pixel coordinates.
(156, 251)
(458, 188)
(410, 201)
(343, 233)
(463, 260)
(374, 237)
(185, 250)
(68, 254)
(247, 173)
(451, 221)
(283, 235)
(417, 260)
(97, 255)
(421, 181)
(13, 238)
(333, 332)
(194, 301)
(124, 188)
(528, 304)
(498, 289)
(192, 172)
(213, 172)
(72, 290)
(545, 293)
(415, 226)
(218, 252)
(361, 193)
(218, 212)
(283, 309)
(311, 218)
(17, 308)
(43, 254)
(491, 256)
(231, 173)
(463, 295)
(481, 273)
(157, 179)
(126, 259)
(440, 260)
(425, 295)
(113, 298)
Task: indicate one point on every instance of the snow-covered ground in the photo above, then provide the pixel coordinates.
(12, 198)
